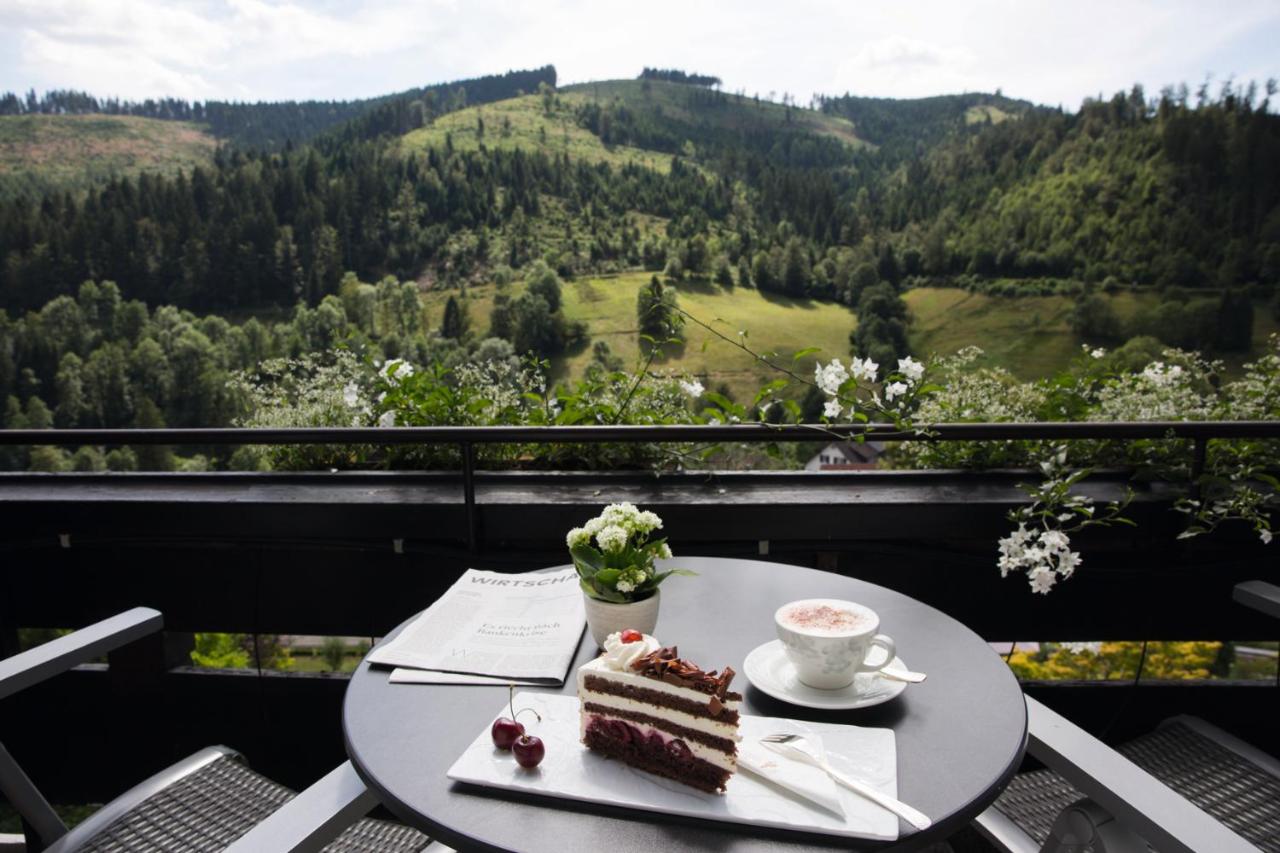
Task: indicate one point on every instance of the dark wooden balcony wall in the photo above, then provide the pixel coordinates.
(356, 553)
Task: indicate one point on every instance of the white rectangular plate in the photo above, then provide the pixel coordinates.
(571, 771)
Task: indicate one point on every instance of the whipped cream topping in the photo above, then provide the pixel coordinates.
(618, 656)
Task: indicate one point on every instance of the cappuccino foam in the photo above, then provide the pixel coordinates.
(823, 618)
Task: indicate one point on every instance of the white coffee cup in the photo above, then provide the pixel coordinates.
(827, 640)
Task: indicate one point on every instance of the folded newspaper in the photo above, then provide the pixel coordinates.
(492, 628)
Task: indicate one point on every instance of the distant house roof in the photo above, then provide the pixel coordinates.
(846, 456)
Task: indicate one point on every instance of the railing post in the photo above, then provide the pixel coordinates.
(469, 494)
(1200, 454)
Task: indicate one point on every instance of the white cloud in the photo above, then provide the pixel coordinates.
(273, 49)
(897, 51)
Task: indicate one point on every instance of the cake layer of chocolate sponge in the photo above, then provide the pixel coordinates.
(672, 760)
(711, 707)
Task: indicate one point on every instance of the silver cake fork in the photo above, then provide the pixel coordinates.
(798, 747)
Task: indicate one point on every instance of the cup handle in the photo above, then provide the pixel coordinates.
(885, 642)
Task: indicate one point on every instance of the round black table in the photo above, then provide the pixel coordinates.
(960, 734)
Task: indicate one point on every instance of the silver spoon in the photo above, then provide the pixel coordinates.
(903, 675)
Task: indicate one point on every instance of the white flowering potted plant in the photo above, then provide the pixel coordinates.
(614, 556)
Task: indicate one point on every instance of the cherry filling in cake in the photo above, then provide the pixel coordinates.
(644, 705)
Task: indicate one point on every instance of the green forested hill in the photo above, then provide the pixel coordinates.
(908, 125)
(272, 125)
(645, 123)
(933, 222)
(1169, 193)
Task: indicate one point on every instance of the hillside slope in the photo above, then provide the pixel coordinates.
(639, 122)
(39, 153)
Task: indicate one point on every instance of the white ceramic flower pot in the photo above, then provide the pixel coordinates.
(605, 617)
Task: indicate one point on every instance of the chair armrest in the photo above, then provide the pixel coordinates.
(1259, 595)
(312, 819)
(1169, 822)
(57, 656)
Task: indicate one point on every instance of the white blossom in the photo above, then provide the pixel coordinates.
(396, 370)
(647, 521)
(894, 389)
(624, 586)
(830, 377)
(387, 419)
(864, 369)
(910, 368)
(693, 388)
(1098, 353)
(351, 395)
(1042, 580)
(1265, 536)
(832, 409)
(577, 537)
(1067, 562)
(664, 551)
(1054, 539)
(612, 539)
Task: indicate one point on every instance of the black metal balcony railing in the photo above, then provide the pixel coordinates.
(466, 437)
(353, 553)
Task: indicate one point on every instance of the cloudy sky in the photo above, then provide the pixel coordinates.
(1050, 52)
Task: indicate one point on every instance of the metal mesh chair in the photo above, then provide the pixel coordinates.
(1189, 756)
(1188, 786)
(211, 801)
(210, 807)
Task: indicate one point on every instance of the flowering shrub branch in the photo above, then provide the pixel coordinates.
(1238, 481)
(1041, 543)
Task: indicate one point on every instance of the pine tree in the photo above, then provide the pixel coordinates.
(453, 325)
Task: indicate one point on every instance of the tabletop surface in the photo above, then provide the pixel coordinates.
(960, 734)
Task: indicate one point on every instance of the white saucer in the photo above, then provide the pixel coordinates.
(768, 668)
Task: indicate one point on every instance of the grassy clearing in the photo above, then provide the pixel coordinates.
(1031, 335)
(981, 113)
(40, 152)
(608, 306)
(522, 123)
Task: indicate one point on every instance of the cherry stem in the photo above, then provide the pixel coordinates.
(511, 704)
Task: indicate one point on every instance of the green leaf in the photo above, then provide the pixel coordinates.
(661, 576)
(603, 593)
(768, 390)
(806, 351)
(726, 405)
(607, 577)
(587, 560)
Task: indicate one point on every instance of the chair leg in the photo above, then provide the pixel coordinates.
(27, 800)
(1085, 825)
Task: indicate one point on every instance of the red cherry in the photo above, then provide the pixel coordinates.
(529, 750)
(631, 635)
(505, 732)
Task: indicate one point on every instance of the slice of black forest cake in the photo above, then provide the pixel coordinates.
(645, 706)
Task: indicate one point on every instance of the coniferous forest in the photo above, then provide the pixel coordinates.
(129, 301)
